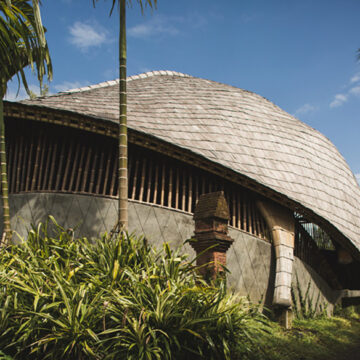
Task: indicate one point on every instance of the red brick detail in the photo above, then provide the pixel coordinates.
(211, 232)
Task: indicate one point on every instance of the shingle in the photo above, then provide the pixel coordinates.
(238, 129)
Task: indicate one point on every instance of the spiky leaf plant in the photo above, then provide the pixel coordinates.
(113, 298)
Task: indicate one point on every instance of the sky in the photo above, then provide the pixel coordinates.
(301, 55)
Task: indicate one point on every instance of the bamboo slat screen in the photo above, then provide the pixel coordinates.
(47, 157)
(307, 250)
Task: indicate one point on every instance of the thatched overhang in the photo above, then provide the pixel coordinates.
(228, 131)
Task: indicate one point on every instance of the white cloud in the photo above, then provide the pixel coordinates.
(355, 78)
(355, 90)
(155, 26)
(84, 35)
(69, 85)
(13, 94)
(339, 100)
(305, 109)
(358, 178)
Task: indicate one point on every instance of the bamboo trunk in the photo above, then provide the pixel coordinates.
(6, 236)
(123, 177)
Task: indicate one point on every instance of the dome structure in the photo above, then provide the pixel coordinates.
(245, 137)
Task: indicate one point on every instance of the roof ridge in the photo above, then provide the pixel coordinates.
(129, 78)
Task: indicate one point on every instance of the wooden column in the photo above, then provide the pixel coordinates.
(211, 238)
(282, 226)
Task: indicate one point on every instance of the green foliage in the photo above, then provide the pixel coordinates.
(114, 298)
(303, 304)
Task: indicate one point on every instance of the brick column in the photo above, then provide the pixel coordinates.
(211, 240)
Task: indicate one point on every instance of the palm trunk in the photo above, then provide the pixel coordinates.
(123, 176)
(6, 235)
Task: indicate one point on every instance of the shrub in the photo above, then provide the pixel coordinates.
(68, 298)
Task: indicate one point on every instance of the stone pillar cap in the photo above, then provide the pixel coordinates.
(212, 205)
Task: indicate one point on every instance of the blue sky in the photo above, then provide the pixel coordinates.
(301, 55)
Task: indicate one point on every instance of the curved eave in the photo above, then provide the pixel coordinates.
(107, 127)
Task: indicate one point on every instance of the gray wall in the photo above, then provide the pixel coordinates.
(250, 260)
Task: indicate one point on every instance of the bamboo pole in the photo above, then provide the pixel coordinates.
(86, 170)
(123, 147)
(135, 179)
(42, 159)
(177, 189)
(149, 186)
(6, 236)
(156, 183)
(107, 174)
(100, 172)
(189, 208)
(52, 167)
(74, 167)
(93, 171)
(59, 166)
(183, 195)
(170, 187)
(80, 169)
(162, 185)
(29, 165)
(142, 182)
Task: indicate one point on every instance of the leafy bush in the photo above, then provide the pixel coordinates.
(114, 298)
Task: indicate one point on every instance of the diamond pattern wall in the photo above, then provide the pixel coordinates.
(249, 259)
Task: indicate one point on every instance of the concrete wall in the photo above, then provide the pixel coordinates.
(306, 280)
(250, 260)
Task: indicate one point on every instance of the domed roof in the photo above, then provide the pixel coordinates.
(234, 128)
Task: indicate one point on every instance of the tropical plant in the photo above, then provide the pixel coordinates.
(22, 43)
(122, 222)
(114, 298)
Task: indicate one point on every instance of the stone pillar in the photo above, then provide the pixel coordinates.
(282, 225)
(211, 240)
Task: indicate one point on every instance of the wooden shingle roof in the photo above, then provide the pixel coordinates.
(237, 129)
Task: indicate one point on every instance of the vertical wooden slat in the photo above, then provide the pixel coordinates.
(133, 194)
(239, 220)
(196, 188)
(244, 213)
(37, 160)
(52, 166)
(94, 167)
(10, 152)
(14, 165)
(203, 185)
(183, 195)
(75, 167)
(46, 172)
(142, 182)
(149, 182)
(79, 173)
(60, 165)
(29, 164)
(100, 173)
(156, 183)
(130, 169)
(170, 187)
(20, 164)
(162, 185)
(249, 217)
(177, 188)
(210, 186)
(233, 208)
(190, 194)
(113, 189)
(41, 165)
(86, 169)
(107, 173)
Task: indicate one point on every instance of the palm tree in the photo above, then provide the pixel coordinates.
(22, 43)
(122, 164)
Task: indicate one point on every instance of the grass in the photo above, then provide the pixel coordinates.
(320, 338)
